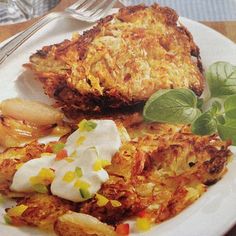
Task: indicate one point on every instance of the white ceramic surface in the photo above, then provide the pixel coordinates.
(215, 212)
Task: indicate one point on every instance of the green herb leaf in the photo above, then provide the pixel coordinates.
(220, 119)
(215, 107)
(221, 79)
(230, 107)
(205, 124)
(227, 131)
(200, 102)
(178, 106)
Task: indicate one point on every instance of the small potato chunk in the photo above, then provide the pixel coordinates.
(78, 224)
(31, 111)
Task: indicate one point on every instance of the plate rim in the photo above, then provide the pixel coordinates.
(181, 19)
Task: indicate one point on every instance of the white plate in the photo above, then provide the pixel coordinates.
(215, 212)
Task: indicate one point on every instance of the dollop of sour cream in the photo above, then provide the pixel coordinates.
(80, 175)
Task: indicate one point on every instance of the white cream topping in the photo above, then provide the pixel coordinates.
(85, 149)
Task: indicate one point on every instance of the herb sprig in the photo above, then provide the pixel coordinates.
(215, 112)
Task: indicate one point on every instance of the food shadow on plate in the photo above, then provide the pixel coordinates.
(29, 88)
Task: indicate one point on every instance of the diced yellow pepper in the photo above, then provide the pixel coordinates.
(101, 200)
(115, 203)
(69, 176)
(97, 165)
(45, 176)
(17, 210)
(80, 140)
(143, 224)
(74, 154)
(35, 180)
(81, 184)
(68, 159)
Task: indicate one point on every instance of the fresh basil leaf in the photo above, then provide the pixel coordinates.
(221, 79)
(200, 102)
(216, 107)
(205, 124)
(230, 107)
(228, 131)
(221, 119)
(178, 106)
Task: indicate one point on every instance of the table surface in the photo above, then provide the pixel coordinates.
(227, 28)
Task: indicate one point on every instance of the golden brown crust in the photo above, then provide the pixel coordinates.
(162, 170)
(162, 173)
(10, 160)
(121, 61)
(42, 210)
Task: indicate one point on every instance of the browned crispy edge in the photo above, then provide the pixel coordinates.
(72, 100)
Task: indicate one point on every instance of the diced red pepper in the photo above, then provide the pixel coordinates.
(61, 155)
(49, 149)
(144, 214)
(122, 229)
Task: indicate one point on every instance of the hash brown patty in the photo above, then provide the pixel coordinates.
(121, 61)
(162, 170)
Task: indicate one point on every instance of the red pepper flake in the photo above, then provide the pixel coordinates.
(61, 155)
(122, 229)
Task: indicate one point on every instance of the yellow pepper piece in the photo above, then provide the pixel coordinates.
(17, 210)
(101, 200)
(81, 184)
(45, 176)
(74, 154)
(143, 224)
(80, 140)
(68, 159)
(46, 173)
(115, 203)
(97, 165)
(69, 176)
(35, 180)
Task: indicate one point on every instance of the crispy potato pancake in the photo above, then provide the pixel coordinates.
(121, 61)
(42, 210)
(162, 170)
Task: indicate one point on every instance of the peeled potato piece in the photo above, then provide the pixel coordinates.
(78, 224)
(31, 111)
